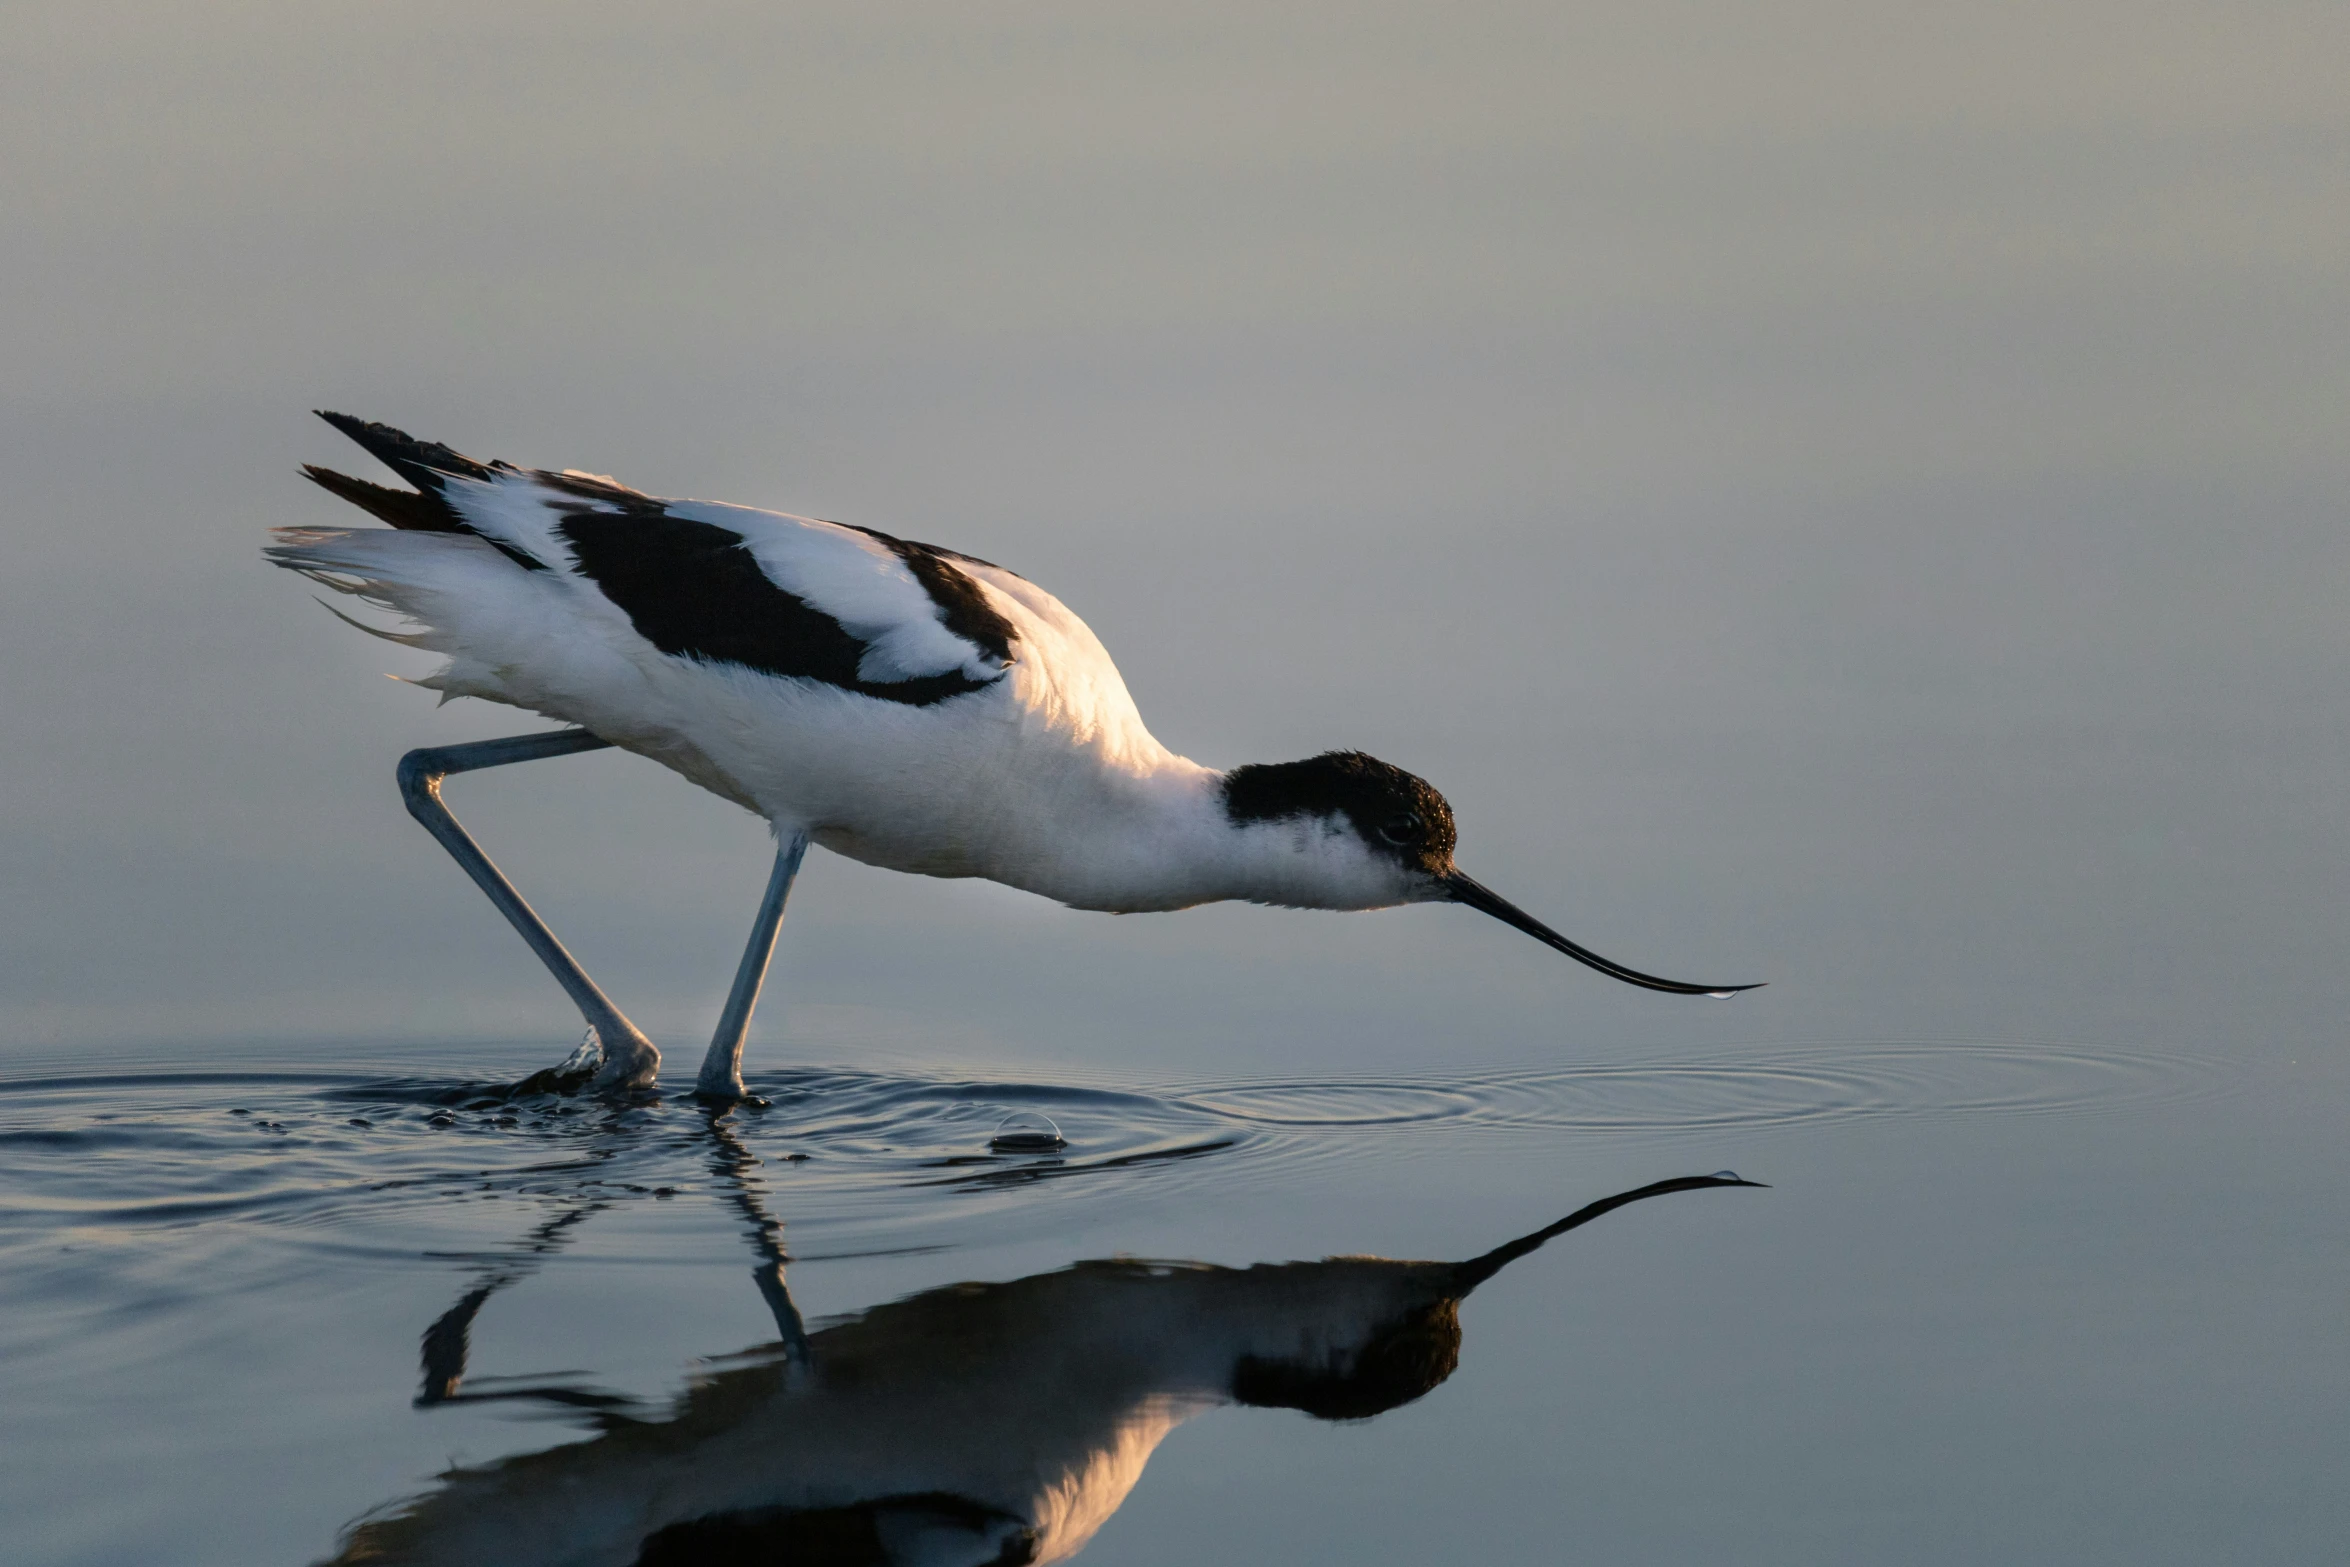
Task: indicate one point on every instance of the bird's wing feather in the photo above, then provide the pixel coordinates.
(789, 596)
(867, 583)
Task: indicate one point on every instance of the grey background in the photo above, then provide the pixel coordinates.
(1842, 495)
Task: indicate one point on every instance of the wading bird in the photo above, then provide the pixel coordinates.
(899, 703)
(971, 1425)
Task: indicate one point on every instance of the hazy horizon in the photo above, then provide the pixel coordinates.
(1835, 497)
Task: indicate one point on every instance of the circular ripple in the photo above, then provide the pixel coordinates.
(1753, 1090)
(363, 1160)
(1323, 1104)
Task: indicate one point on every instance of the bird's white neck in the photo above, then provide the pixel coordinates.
(1157, 836)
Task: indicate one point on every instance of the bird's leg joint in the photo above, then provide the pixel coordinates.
(630, 1060)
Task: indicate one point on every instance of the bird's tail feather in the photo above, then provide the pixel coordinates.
(460, 597)
(410, 574)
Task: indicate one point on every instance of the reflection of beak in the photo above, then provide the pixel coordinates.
(1466, 1276)
(1478, 896)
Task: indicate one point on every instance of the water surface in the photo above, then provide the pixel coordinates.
(1997, 1297)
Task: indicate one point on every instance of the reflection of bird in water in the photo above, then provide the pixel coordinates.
(979, 1423)
(904, 705)
(447, 1341)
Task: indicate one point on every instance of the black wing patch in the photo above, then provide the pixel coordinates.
(858, 1535)
(425, 464)
(404, 509)
(421, 463)
(690, 588)
(962, 607)
(693, 591)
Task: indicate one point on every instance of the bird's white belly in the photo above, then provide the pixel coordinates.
(995, 783)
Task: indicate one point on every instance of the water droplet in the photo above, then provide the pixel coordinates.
(1727, 1175)
(586, 1059)
(1026, 1131)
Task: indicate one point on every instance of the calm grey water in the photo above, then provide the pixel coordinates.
(2013, 1302)
(1842, 495)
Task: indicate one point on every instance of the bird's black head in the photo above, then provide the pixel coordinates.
(1414, 1348)
(1407, 830)
(1398, 816)
(1403, 1359)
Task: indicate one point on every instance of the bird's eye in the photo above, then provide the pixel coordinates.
(1401, 830)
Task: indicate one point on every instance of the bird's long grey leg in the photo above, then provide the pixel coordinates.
(733, 1163)
(722, 1068)
(790, 1330)
(630, 1061)
(448, 1343)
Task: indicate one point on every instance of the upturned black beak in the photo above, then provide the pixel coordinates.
(1485, 900)
(1466, 1276)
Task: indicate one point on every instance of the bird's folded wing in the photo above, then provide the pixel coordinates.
(787, 596)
